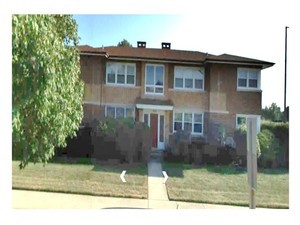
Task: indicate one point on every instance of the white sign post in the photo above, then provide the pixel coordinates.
(252, 159)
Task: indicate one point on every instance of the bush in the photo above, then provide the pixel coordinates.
(241, 134)
(275, 127)
(270, 147)
(122, 139)
(280, 133)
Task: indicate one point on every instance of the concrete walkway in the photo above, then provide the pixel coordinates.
(48, 200)
(157, 192)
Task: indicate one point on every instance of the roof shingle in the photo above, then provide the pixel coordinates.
(169, 55)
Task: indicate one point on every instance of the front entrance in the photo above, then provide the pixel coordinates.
(156, 122)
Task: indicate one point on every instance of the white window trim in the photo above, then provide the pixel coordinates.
(153, 85)
(248, 88)
(125, 81)
(248, 116)
(120, 106)
(193, 89)
(182, 121)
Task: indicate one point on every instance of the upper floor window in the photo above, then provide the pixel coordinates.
(191, 122)
(190, 78)
(120, 73)
(248, 79)
(154, 80)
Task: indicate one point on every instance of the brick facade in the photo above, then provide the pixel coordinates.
(220, 101)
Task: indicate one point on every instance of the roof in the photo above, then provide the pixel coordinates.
(89, 50)
(169, 55)
(226, 58)
(156, 54)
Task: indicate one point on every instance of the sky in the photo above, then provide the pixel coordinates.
(247, 33)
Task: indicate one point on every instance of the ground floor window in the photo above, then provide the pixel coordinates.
(241, 120)
(118, 112)
(188, 121)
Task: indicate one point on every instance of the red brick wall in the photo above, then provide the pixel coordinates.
(224, 95)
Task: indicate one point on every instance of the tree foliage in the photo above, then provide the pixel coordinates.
(125, 43)
(47, 90)
(272, 113)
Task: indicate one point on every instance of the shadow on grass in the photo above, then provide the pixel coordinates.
(113, 166)
(226, 169)
(176, 169)
(277, 171)
(131, 168)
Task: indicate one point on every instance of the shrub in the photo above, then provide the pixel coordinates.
(242, 131)
(123, 139)
(280, 131)
(270, 146)
(275, 127)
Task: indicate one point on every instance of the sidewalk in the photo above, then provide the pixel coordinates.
(46, 200)
(156, 189)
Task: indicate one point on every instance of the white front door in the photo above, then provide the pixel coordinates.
(156, 121)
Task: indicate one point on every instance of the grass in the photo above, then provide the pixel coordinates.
(225, 185)
(102, 179)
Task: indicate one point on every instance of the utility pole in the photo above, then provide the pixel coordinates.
(285, 60)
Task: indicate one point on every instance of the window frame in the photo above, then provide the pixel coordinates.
(248, 116)
(193, 78)
(248, 70)
(118, 106)
(193, 121)
(154, 85)
(116, 64)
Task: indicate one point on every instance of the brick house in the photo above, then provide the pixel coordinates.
(171, 89)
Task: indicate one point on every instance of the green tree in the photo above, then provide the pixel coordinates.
(125, 43)
(272, 113)
(47, 90)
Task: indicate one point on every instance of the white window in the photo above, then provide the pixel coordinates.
(120, 73)
(191, 122)
(119, 112)
(188, 78)
(154, 82)
(248, 79)
(241, 120)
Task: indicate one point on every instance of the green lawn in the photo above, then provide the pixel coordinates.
(224, 185)
(102, 179)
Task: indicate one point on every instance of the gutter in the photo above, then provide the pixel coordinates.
(264, 65)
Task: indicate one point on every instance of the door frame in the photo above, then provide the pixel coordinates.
(160, 145)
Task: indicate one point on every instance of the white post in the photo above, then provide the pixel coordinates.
(252, 159)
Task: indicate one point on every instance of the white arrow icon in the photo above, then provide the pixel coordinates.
(122, 176)
(166, 177)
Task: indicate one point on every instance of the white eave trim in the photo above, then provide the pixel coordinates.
(156, 107)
